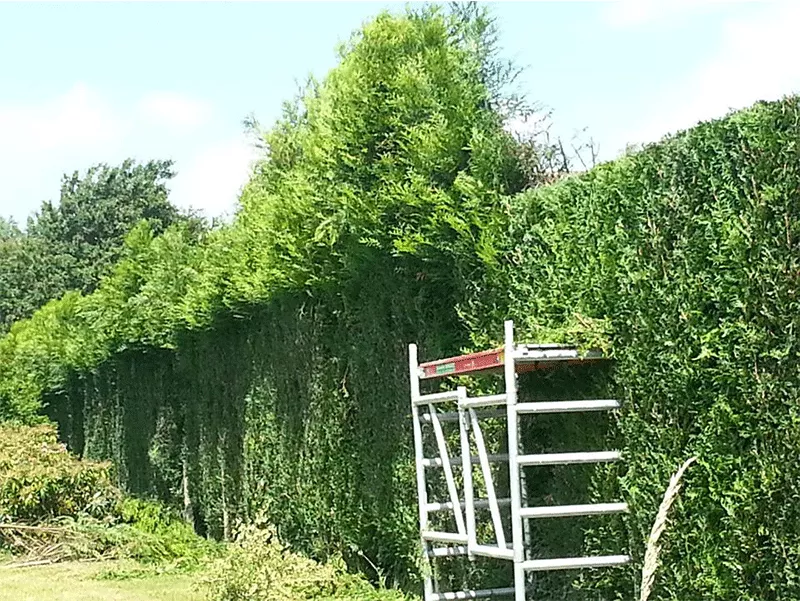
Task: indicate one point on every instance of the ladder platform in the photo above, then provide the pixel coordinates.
(574, 563)
(461, 507)
(557, 511)
(482, 594)
(568, 458)
(527, 357)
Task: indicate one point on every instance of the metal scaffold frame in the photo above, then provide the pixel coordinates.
(511, 360)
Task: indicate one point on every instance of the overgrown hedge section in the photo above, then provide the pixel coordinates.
(264, 370)
(690, 250)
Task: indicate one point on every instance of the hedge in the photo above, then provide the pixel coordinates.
(265, 369)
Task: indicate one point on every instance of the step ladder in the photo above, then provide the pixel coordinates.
(428, 418)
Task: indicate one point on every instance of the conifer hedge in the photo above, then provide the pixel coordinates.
(265, 368)
(690, 254)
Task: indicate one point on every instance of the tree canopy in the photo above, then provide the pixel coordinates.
(71, 244)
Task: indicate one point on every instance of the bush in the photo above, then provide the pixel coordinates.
(40, 479)
(55, 506)
(258, 567)
(159, 535)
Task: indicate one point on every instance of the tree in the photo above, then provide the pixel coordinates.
(97, 210)
(71, 244)
(8, 229)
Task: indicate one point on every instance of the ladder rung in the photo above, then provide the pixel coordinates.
(447, 551)
(478, 504)
(452, 416)
(571, 563)
(444, 537)
(456, 461)
(557, 511)
(437, 397)
(568, 458)
(567, 406)
(491, 551)
(482, 594)
(484, 401)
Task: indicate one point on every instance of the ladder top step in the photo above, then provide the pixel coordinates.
(456, 461)
(527, 357)
(450, 551)
(573, 563)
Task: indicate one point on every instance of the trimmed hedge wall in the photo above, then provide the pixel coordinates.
(690, 253)
(265, 369)
(683, 258)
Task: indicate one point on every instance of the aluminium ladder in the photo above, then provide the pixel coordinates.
(510, 360)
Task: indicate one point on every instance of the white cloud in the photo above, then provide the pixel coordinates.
(212, 180)
(756, 60)
(633, 13)
(41, 141)
(80, 127)
(79, 119)
(173, 110)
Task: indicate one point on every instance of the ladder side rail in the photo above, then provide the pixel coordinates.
(466, 469)
(513, 468)
(422, 487)
(448, 470)
(494, 508)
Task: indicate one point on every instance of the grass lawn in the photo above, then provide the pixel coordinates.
(75, 582)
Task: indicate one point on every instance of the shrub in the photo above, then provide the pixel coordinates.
(55, 506)
(258, 567)
(40, 479)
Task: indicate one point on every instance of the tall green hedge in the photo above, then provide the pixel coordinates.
(690, 253)
(264, 369)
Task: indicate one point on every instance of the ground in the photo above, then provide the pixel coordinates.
(77, 582)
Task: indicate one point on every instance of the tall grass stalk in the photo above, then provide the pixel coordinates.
(653, 548)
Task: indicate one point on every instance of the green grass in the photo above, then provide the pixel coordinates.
(78, 582)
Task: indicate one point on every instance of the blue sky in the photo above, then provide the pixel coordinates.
(83, 83)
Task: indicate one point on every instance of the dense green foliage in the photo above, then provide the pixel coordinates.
(689, 251)
(54, 506)
(72, 244)
(39, 479)
(263, 369)
(258, 567)
(8, 229)
(375, 182)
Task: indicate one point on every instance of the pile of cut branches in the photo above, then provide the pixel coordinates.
(34, 544)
